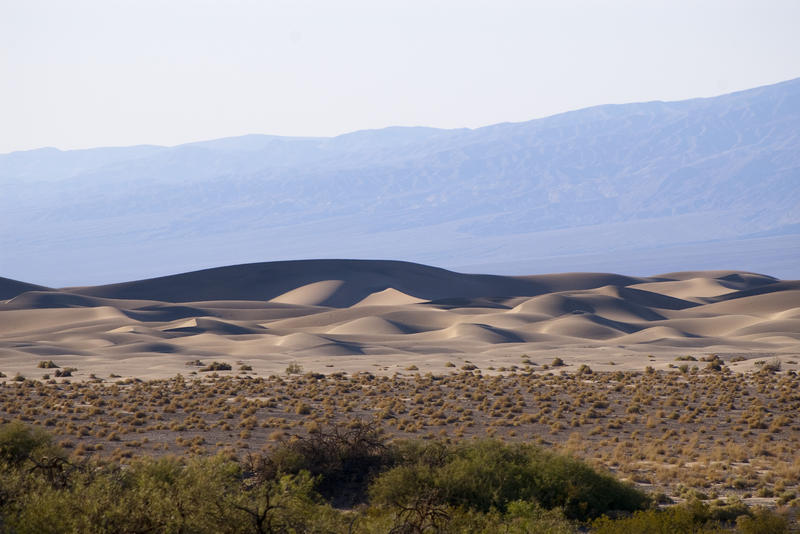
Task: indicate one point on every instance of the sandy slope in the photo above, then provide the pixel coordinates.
(384, 316)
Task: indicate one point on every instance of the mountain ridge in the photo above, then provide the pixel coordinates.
(593, 181)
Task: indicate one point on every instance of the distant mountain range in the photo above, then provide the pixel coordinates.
(636, 188)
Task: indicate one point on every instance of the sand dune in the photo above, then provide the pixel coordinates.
(371, 326)
(378, 315)
(322, 293)
(581, 326)
(476, 333)
(301, 340)
(354, 280)
(654, 334)
(388, 297)
(11, 288)
(691, 289)
(205, 325)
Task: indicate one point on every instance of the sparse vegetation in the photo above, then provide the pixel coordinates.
(695, 434)
(65, 372)
(216, 366)
(772, 366)
(294, 368)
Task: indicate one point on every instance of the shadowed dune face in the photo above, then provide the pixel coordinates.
(384, 315)
(336, 283)
(11, 288)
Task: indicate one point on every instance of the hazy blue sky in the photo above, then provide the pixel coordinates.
(91, 73)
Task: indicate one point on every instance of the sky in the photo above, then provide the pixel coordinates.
(86, 73)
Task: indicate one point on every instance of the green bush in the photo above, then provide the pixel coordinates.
(676, 520)
(166, 495)
(488, 474)
(762, 521)
(19, 442)
(521, 518)
(695, 517)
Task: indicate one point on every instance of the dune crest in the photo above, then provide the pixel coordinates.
(388, 297)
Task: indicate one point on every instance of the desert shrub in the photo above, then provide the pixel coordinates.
(201, 495)
(47, 364)
(294, 368)
(520, 518)
(772, 366)
(65, 372)
(488, 474)
(302, 409)
(762, 521)
(343, 458)
(696, 517)
(216, 366)
(19, 442)
(675, 520)
(728, 511)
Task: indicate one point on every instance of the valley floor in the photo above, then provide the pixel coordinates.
(701, 430)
